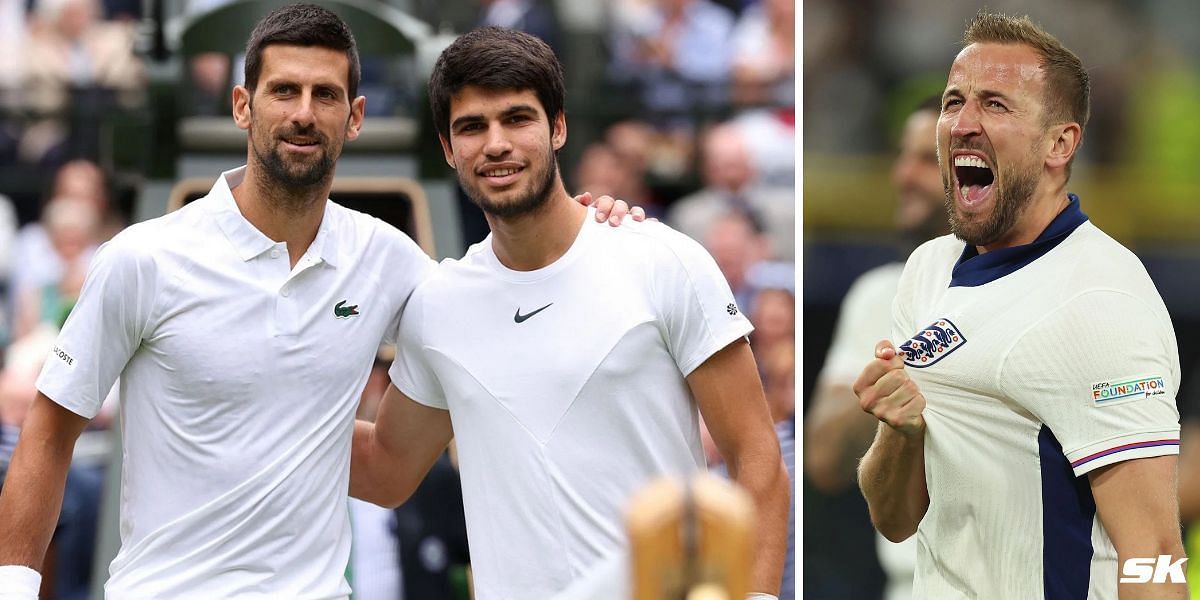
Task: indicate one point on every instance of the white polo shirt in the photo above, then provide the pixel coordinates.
(239, 378)
(1039, 364)
(566, 388)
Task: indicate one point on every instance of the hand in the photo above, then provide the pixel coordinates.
(885, 390)
(612, 210)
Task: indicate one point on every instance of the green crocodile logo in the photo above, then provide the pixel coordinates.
(344, 312)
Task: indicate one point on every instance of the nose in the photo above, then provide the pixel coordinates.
(497, 142)
(966, 121)
(304, 117)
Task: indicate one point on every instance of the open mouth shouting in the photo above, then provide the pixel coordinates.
(500, 175)
(973, 179)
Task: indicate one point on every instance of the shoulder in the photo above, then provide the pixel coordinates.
(1092, 260)
(649, 239)
(358, 233)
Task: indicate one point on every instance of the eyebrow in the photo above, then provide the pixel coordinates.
(954, 91)
(508, 112)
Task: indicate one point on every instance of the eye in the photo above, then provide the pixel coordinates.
(327, 94)
(283, 89)
(518, 118)
(951, 103)
(996, 105)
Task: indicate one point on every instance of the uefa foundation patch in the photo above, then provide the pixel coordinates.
(932, 344)
(1114, 392)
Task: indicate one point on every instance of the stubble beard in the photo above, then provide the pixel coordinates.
(295, 179)
(536, 197)
(1012, 198)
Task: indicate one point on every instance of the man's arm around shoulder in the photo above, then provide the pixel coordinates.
(33, 490)
(730, 396)
(390, 457)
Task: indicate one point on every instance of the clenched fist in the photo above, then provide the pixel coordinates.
(885, 390)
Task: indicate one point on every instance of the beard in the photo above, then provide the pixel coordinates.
(1014, 189)
(533, 197)
(294, 175)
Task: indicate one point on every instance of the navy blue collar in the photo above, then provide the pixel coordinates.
(975, 269)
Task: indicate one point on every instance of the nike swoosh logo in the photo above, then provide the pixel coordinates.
(520, 318)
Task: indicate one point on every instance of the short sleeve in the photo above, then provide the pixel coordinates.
(407, 267)
(104, 329)
(1102, 372)
(410, 371)
(697, 307)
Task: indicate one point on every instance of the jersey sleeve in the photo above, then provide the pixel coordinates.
(408, 266)
(104, 329)
(1102, 372)
(695, 303)
(411, 372)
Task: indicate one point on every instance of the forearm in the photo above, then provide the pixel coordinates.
(836, 434)
(892, 478)
(31, 499)
(764, 476)
(374, 476)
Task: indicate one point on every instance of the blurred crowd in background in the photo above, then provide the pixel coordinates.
(867, 66)
(683, 107)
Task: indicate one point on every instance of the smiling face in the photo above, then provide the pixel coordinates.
(502, 147)
(992, 140)
(300, 115)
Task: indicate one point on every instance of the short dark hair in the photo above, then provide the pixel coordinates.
(302, 25)
(1068, 88)
(496, 58)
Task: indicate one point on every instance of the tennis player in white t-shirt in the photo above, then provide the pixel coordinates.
(560, 416)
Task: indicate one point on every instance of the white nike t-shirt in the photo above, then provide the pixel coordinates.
(566, 387)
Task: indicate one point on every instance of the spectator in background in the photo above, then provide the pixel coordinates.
(737, 243)
(837, 431)
(36, 263)
(535, 17)
(604, 171)
(71, 226)
(764, 54)
(677, 51)
(731, 185)
(72, 49)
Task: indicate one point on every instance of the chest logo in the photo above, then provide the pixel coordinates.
(520, 318)
(341, 311)
(931, 344)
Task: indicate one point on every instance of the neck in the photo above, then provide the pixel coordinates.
(1036, 218)
(532, 241)
(282, 213)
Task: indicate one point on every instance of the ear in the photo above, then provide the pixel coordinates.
(358, 108)
(241, 106)
(447, 151)
(560, 130)
(1063, 145)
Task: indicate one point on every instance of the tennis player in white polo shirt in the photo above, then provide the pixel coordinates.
(243, 328)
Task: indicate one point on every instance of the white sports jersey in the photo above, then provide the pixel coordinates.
(239, 378)
(566, 390)
(1038, 364)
